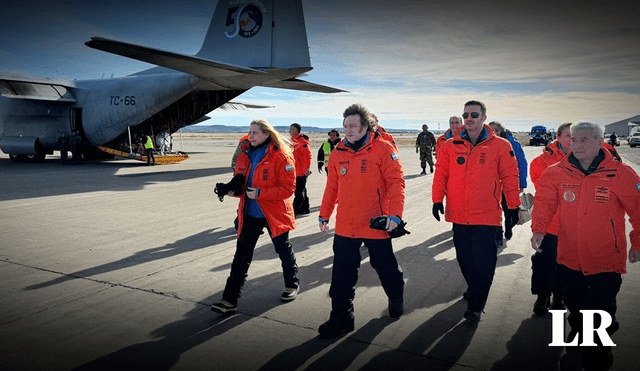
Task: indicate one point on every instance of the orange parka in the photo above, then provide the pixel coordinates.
(275, 178)
(301, 153)
(368, 182)
(473, 177)
(591, 208)
(551, 154)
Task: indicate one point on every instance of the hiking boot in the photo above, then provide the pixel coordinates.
(224, 307)
(431, 169)
(289, 294)
(557, 303)
(424, 172)
(541, 306)
(334, 327)
(396, 307)
(472, 315)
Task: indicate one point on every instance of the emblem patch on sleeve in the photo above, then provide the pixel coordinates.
(289, 168)
(638, 187)
(394, 156)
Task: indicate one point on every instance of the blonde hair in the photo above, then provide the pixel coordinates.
(278, 140)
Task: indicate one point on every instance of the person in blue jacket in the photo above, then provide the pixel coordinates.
(522, 173)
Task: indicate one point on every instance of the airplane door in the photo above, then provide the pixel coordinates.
(75, 120)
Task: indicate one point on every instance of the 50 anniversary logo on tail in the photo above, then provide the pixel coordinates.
(246, 20)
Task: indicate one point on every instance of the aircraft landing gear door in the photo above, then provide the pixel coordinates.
(75, 121)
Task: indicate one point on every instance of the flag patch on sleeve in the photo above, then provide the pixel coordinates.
(638, 187)
(394, 156)
(289, 168)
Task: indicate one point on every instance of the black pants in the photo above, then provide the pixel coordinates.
(544, 280)
(346, 265)
(251, 229)
(300, 199)
(596, 291)
(477, 254)
(150, 156)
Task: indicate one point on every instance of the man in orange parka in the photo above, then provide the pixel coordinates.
(543, 264)
(473, 170)
(591, 191)
(366, 176)
(455, 123)
(267, 166)
(302, 158)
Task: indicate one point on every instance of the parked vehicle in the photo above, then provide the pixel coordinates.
(607, 138)
(634, 139)
(538, 136)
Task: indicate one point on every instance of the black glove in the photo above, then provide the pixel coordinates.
(513, 216)
(382, 223)
(236, 184)
(438, 208)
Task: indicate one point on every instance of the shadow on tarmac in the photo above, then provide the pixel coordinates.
(445, 335)
(89, 176)
(196, 242)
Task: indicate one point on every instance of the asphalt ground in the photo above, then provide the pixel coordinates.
(111, 265)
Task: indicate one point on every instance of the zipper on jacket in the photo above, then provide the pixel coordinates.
(615, 237)
(380, 202)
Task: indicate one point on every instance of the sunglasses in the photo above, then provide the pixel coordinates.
(474, 115)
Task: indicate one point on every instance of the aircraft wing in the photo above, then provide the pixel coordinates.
(206, 68)
(36, 88)
(297, 84)
(193, 65)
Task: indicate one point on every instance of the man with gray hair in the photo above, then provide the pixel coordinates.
(591, 191)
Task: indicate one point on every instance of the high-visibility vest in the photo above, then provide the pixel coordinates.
(149, 143)
(326, 148)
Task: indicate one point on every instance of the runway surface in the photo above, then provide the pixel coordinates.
(112, 264)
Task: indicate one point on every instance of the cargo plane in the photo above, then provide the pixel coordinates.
(249, 43)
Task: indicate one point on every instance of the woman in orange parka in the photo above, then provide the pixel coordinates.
(267, 166)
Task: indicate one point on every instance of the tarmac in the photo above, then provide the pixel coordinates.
(110, 265)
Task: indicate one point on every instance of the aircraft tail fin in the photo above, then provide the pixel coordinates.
(257, 34)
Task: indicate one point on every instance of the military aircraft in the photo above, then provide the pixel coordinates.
(249, 43)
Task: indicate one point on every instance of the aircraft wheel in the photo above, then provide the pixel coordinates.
(16, 158)
(39, 157)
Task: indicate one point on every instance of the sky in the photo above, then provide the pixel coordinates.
(410, 62)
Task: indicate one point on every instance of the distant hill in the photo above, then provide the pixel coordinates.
(283, 129)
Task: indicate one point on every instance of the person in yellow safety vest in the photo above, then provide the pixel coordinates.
(326, 148)
(148, 148)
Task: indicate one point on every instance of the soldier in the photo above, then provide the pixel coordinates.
(425, 144)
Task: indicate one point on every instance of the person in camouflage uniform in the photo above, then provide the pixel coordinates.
(425, 144)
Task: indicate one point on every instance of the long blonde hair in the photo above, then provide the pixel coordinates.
(278, 140)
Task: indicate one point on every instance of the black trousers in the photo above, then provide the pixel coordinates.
(596, 291)
(346, 265)
(477, 254)
(251, 229)
(544, 280)
(150, 156)
(300, 198)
